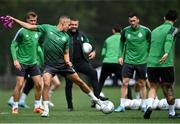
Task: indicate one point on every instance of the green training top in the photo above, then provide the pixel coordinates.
(111, 49)
(135, 50)
(24, 46)
(40, 57)
(163, 39)
(54, 45)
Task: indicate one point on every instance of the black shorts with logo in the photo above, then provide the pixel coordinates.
(161, 74)
(31, 70)
(128, 70)
(59, 69)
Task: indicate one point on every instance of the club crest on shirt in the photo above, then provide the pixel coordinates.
(63, 39)
(82, 39)
(36, 35)
(128, 36)
(140, 34)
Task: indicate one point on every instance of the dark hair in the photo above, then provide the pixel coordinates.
(74, 19)
(117, 28)
(171, 15)
(31, 13)
(132, 14)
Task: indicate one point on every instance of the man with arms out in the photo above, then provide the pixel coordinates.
(80, 61)
(56, 53)
(24, 53)
(161, 63)
(134, 39)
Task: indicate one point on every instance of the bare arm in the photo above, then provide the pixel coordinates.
(67, 58)
(24, 24)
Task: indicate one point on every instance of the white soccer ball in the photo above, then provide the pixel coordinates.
(87, 48)
(98, 107)
(107, 107)
(155, 104)
(163, 104)
(135, 104)
(177, 103)
(127, 103)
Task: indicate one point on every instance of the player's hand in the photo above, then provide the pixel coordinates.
(17, 65)
(69, 64)
(92, 55)
(121, 61)
(163, 58)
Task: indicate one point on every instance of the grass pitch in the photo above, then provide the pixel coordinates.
(82, 113)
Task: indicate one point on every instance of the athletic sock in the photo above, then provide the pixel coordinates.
(37, 103)
(15, 105)
(171, 109)
(22, 98)
(143, 105)
(11, 99)
(150, 102)
(46, 106)
(122, 102)
(91, 94)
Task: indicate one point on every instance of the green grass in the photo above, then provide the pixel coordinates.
(83, 113)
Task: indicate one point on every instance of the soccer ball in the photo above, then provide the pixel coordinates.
(87, 48)
(177, 103)
(107, 107)
(163, 104)
(155, 104)
(98, 107)
(127, 103)
(135, 104)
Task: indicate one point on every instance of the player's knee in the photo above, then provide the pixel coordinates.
(38, 86)
(125, 84)
(141, 83)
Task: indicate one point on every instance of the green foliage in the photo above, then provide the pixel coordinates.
(96, 17)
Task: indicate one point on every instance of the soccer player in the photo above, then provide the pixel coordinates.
(29, 84)
(57, 60)
(161, 63)
(80, 61)
(24, 54)
(134, 39)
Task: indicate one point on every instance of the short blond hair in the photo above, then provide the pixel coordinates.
(64, 19)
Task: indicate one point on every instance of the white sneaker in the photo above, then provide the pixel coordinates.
(45, 114)
(51, 104)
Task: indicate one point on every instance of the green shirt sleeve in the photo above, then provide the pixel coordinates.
(148, 37)
(122, 43)
(103, 52)
(14, 44)
(170, 39)
(41, 28)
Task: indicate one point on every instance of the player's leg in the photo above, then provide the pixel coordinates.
(35, 74)
(153, 77)
(18, 88)
(103, 76)
(54, 85)
(168, 90)
(47, 78)
(28, 86)
(127, 73)
(17, 92)
(68, 93)
(141, 71)
(83, 86)
(91, 73)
